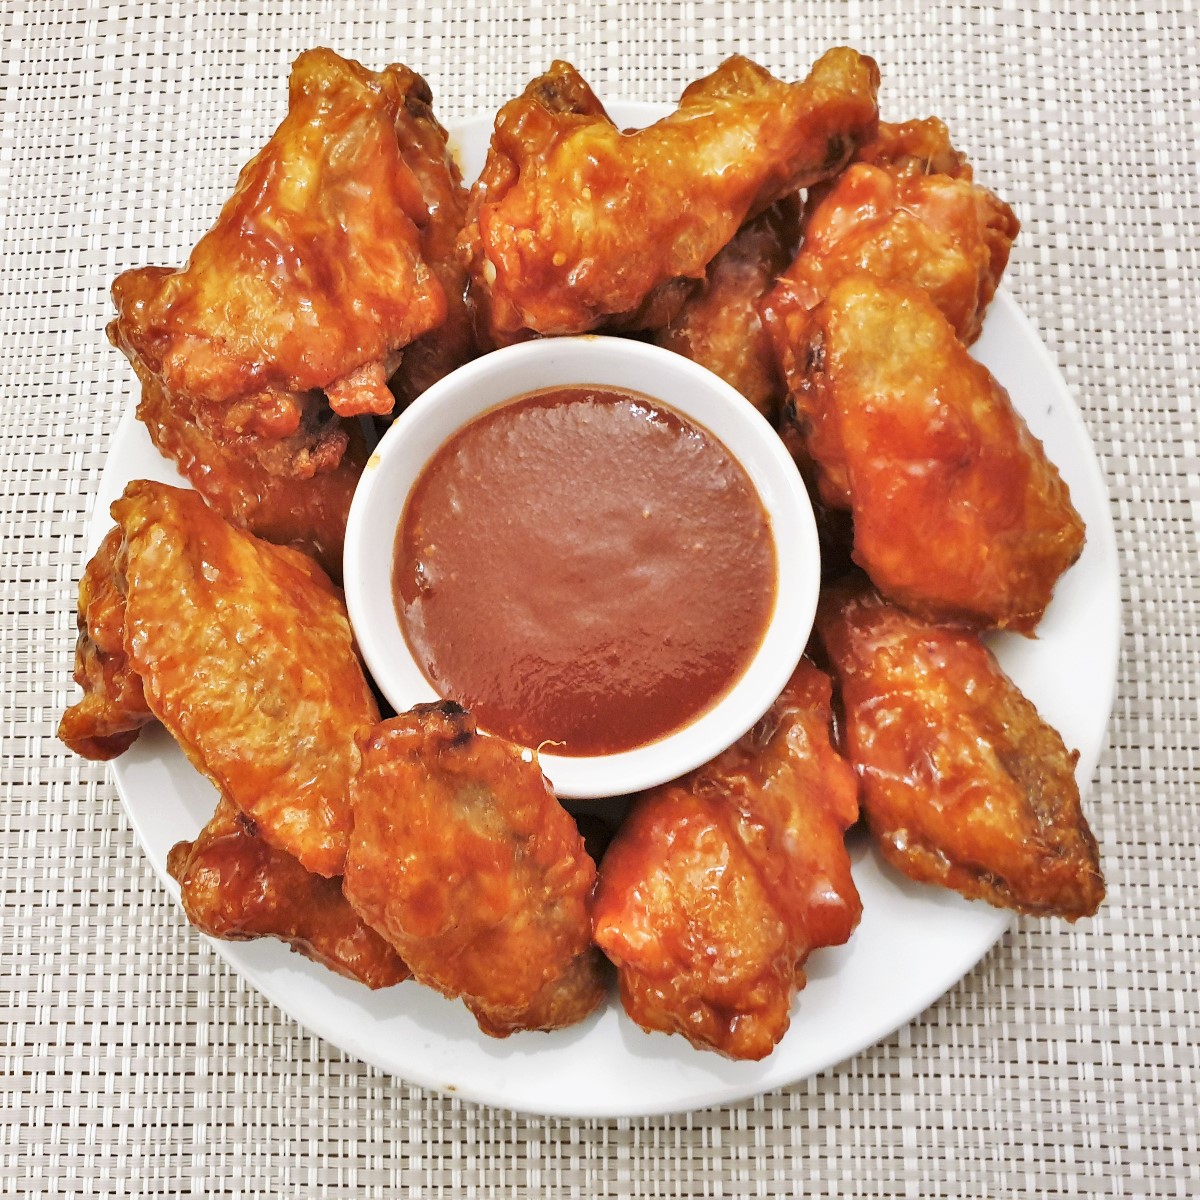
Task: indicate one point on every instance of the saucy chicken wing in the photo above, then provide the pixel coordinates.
(958, 513)
(464, 860)
(425, 147)
(964, 784)
(574, 223)
(716, 887)
(245, 654)
(306, 514)
(236, 887)
(311, 280)
(719, 326)
(113, 709)
(945, 235)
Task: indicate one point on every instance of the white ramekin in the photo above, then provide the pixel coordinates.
(680, 384)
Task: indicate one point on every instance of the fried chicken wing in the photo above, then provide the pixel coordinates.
(964, 785)
(246, 656)
(716, 888)
(719, 326)
(235, 887)
(312, 277)
(425, 147)
(943, 234)
(958, 513)
(109, 717)
(537, 122)
(575, 223)
(306, 514)
(463, 859)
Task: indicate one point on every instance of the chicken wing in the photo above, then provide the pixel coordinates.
(574, 222)
(425, 147)
(306, 514)
(958, 513)
(109, 717)
(716, 887)
(236, 887)
(555, 100)
(946, 235)
(964, 784)
(246, 655)
(719, 326)
(463, 859)
(311, 280)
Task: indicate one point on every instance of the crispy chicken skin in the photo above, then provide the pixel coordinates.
(717, 886)
(575, 222)
(958, 513)
(918, 147)
(306, 514)
(964, 785)
(312, 277)
(109, 717)
(425, 147)
(719, 326)
(236, 887)
(464, 860)
(906, 210)
(562, 91)
(946, 235)
(246, 656)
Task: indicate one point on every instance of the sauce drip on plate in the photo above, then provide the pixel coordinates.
(584, 567)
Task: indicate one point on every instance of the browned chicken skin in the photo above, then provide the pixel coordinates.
(716, 887)
(245, 654)
(425, 147)
(306, 514)
(918, 147)
(464, 860)
(113, 709)
(958, 513)
(719, 326)
(964, 784)
(947, 236)
(575, 223)
(906, 210)
(312, 277)
(235, 887)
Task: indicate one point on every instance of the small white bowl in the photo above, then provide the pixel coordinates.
(678, 383)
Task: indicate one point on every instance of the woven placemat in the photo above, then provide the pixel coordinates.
(136, 1064)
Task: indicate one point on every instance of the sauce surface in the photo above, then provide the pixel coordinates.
(584, 567)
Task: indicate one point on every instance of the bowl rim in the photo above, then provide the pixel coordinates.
(478, 387)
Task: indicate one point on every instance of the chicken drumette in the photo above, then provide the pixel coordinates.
(574, 223)
(293, 309)
(312, 277)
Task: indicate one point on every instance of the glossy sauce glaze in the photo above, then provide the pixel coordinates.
(584, 567)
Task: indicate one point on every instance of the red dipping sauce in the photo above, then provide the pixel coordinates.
(584, 567)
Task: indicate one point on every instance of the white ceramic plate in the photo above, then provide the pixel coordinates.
(913, 944)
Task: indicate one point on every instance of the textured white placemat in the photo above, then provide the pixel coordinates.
(134, 1064)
